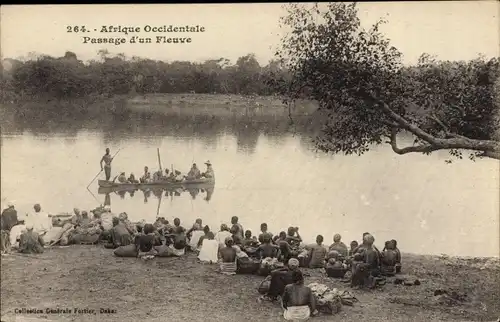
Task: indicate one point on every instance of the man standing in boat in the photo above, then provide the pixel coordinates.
(107, 159)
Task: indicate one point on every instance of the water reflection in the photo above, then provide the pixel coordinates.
(206, 129)
(205, 192)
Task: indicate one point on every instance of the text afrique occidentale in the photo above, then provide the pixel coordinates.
(136, 39)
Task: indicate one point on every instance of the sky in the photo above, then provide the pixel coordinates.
(449, 30)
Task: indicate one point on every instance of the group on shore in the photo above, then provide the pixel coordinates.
(237, 251)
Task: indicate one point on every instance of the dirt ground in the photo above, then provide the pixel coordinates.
(182, 289)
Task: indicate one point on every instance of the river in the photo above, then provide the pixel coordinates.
(264, 173)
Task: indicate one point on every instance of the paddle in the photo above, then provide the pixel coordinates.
(102, 169)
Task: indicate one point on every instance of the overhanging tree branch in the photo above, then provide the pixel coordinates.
(489, 148)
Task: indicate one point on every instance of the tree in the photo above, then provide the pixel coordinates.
(369, 97)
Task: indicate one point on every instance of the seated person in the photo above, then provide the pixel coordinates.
(339, 246)
(158, 175)
(398, 257)
(354, 245)
(179, 176)
(120, 236)
(318, 253)
(263, 229)
(145, 241)
(30, 241)
(250, 241)
(298, 301)
(194, 173)
(279, 279)
(132, 179)
(221, 236)
(334, 266)
(146, 177)
(177, 239)
(293, 238)
(122, 178)
(207, 234)
(235, 235)
(389, 259)
(366, 264)
(198, 224)
(228, 258)
(266, 249)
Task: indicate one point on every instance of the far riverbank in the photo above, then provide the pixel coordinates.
(123, 106)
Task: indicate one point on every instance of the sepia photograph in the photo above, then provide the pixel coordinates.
(331, 161)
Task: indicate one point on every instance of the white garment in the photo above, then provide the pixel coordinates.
(239, 252)
(107, 220)
(209, 251)
(15, 234)
(297, 313)
(221, 236)
(40, 221)
(195, 238)
(52, 235)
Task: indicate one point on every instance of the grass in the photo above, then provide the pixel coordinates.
(181, 289)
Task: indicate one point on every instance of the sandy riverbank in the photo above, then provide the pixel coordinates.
(217, 105)
(181, 289)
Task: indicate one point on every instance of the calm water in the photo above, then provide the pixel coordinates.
(264, 174)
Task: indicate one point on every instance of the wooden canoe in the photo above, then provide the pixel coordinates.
(116, 186)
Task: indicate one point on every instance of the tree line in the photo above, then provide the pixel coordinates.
(67, 77)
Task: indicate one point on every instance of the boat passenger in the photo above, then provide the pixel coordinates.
(338, 245)
(158, 175)
(299, 303)
(194, 173)
(318, 253)
(209, 173)
(132, 179)
(122, 178)
(146, 177)
(179, 176)
(228, 257)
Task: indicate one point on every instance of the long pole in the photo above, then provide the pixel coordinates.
(102, 169)
(159, 159)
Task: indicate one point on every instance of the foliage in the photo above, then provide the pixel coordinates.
(67, 78)
(369, 97)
